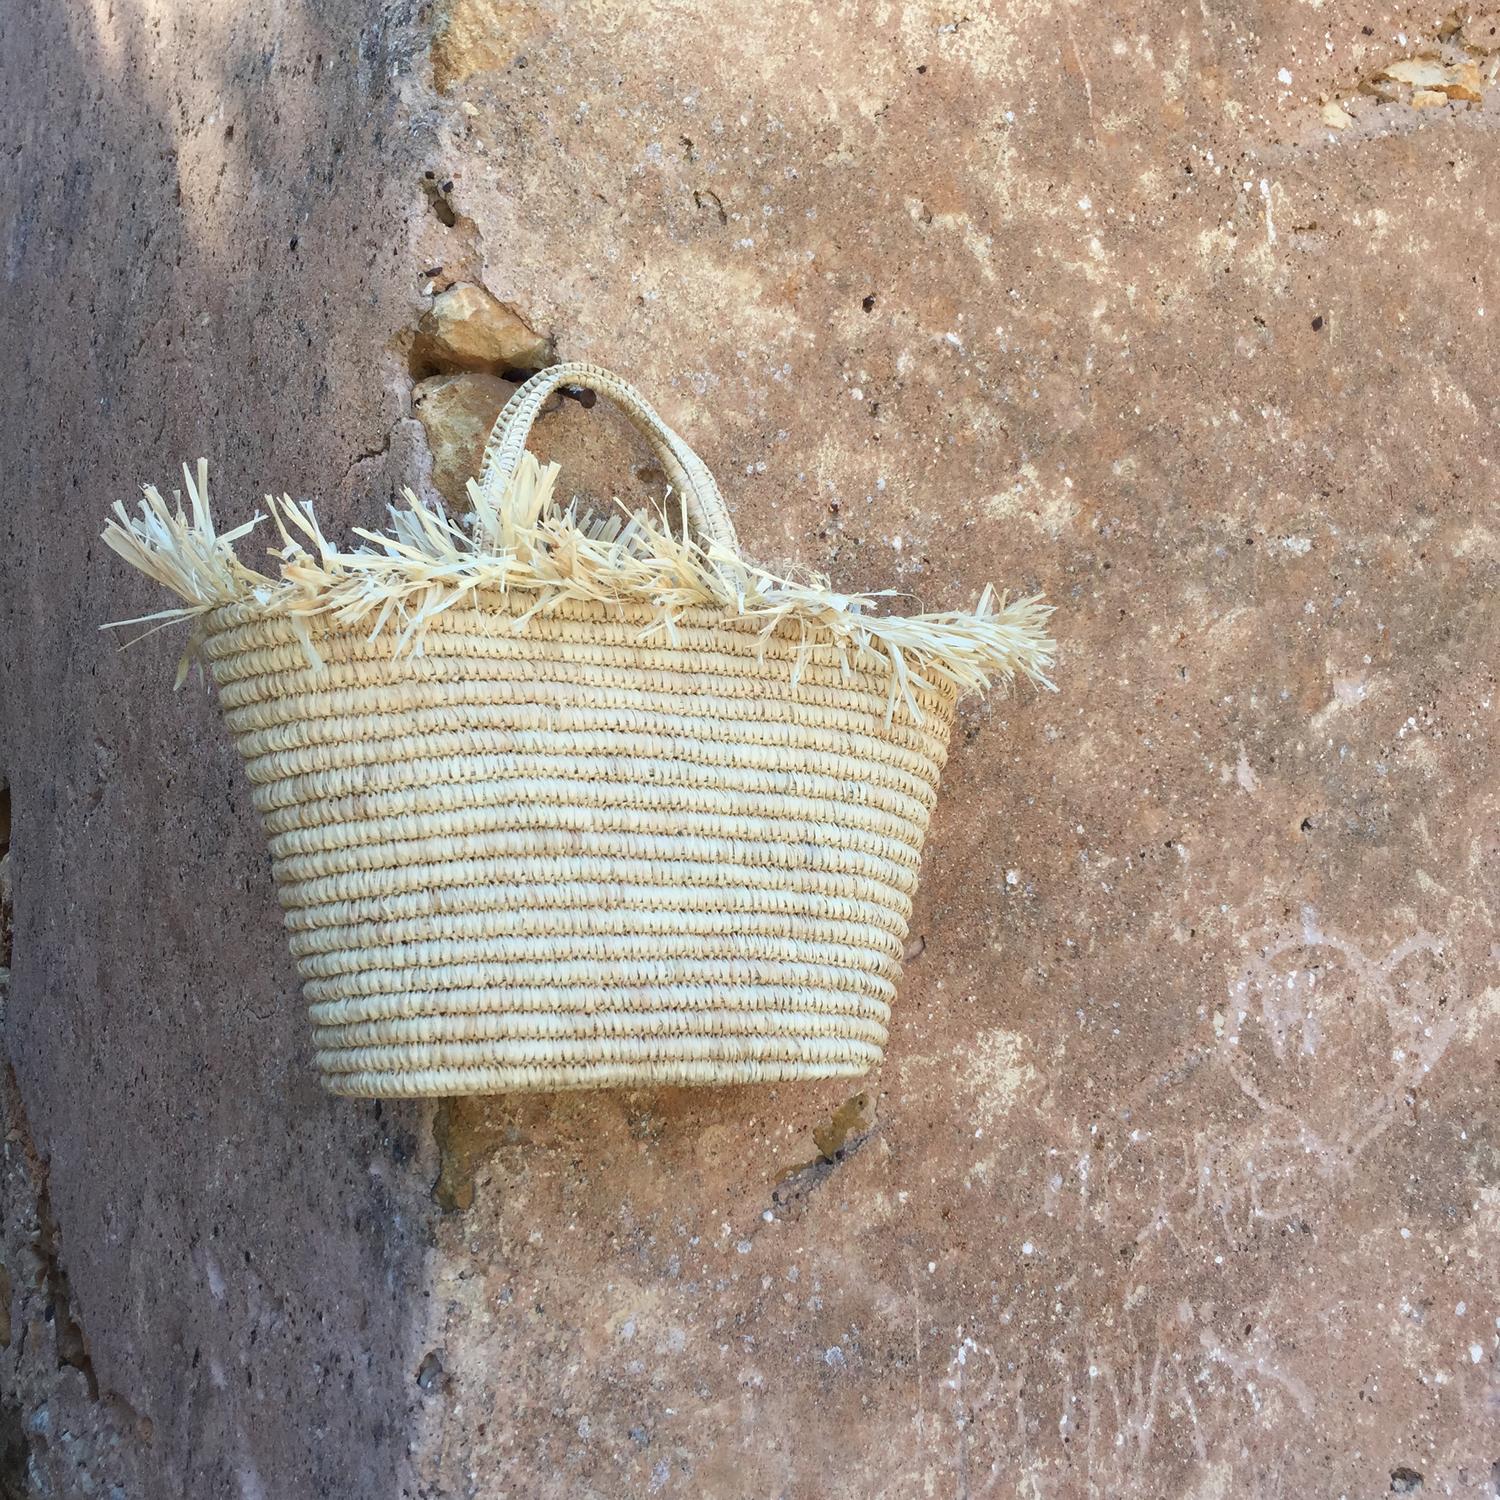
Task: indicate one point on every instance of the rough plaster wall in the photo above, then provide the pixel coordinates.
(1183, 1175)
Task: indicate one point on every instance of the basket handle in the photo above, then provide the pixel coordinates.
(707, 513)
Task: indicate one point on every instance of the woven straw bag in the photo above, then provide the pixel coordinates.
(561, 801)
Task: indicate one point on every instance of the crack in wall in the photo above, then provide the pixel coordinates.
(36, 1295)
(50, 1276)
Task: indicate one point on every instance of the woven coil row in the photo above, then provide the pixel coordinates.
(574, 857)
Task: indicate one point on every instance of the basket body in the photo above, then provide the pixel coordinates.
(570, 857)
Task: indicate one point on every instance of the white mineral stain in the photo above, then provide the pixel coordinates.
(1265, 193)
(998, 1073)
(1050, 508)
(1245, 775)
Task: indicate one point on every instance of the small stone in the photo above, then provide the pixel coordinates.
(1336, 117)
(1431, 75)
(1418, 72)
(468, 328)
(1427, 99)
(430, 1376)
(457, 412)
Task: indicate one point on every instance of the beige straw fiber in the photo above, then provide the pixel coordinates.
(565, 801)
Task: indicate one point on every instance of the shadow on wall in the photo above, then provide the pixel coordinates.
(203, 238)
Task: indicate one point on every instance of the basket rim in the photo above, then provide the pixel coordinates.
(493, 599)
(528, 547)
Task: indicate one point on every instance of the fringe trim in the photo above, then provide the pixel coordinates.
(426, 563)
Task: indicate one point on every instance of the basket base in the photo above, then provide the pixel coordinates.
(453, 1083)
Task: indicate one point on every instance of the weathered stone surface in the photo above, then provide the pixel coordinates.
(1182, 1175)
(1182, 1171)
(468, 328)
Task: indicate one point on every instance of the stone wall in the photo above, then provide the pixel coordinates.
(208, 220)
(1182, 1175)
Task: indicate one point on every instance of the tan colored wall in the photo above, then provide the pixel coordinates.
(1182, 1176)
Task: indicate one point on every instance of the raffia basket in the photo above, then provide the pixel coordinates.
(560, 803)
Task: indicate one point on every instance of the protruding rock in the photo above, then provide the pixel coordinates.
(1465, 83)
(468, 328)
(480, 36)
(1431, 75)
(457, 412)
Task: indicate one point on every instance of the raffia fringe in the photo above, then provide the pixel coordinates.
(427, 562)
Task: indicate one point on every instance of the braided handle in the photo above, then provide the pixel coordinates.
(707, 514)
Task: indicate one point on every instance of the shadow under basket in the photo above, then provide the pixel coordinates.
(577, 845)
